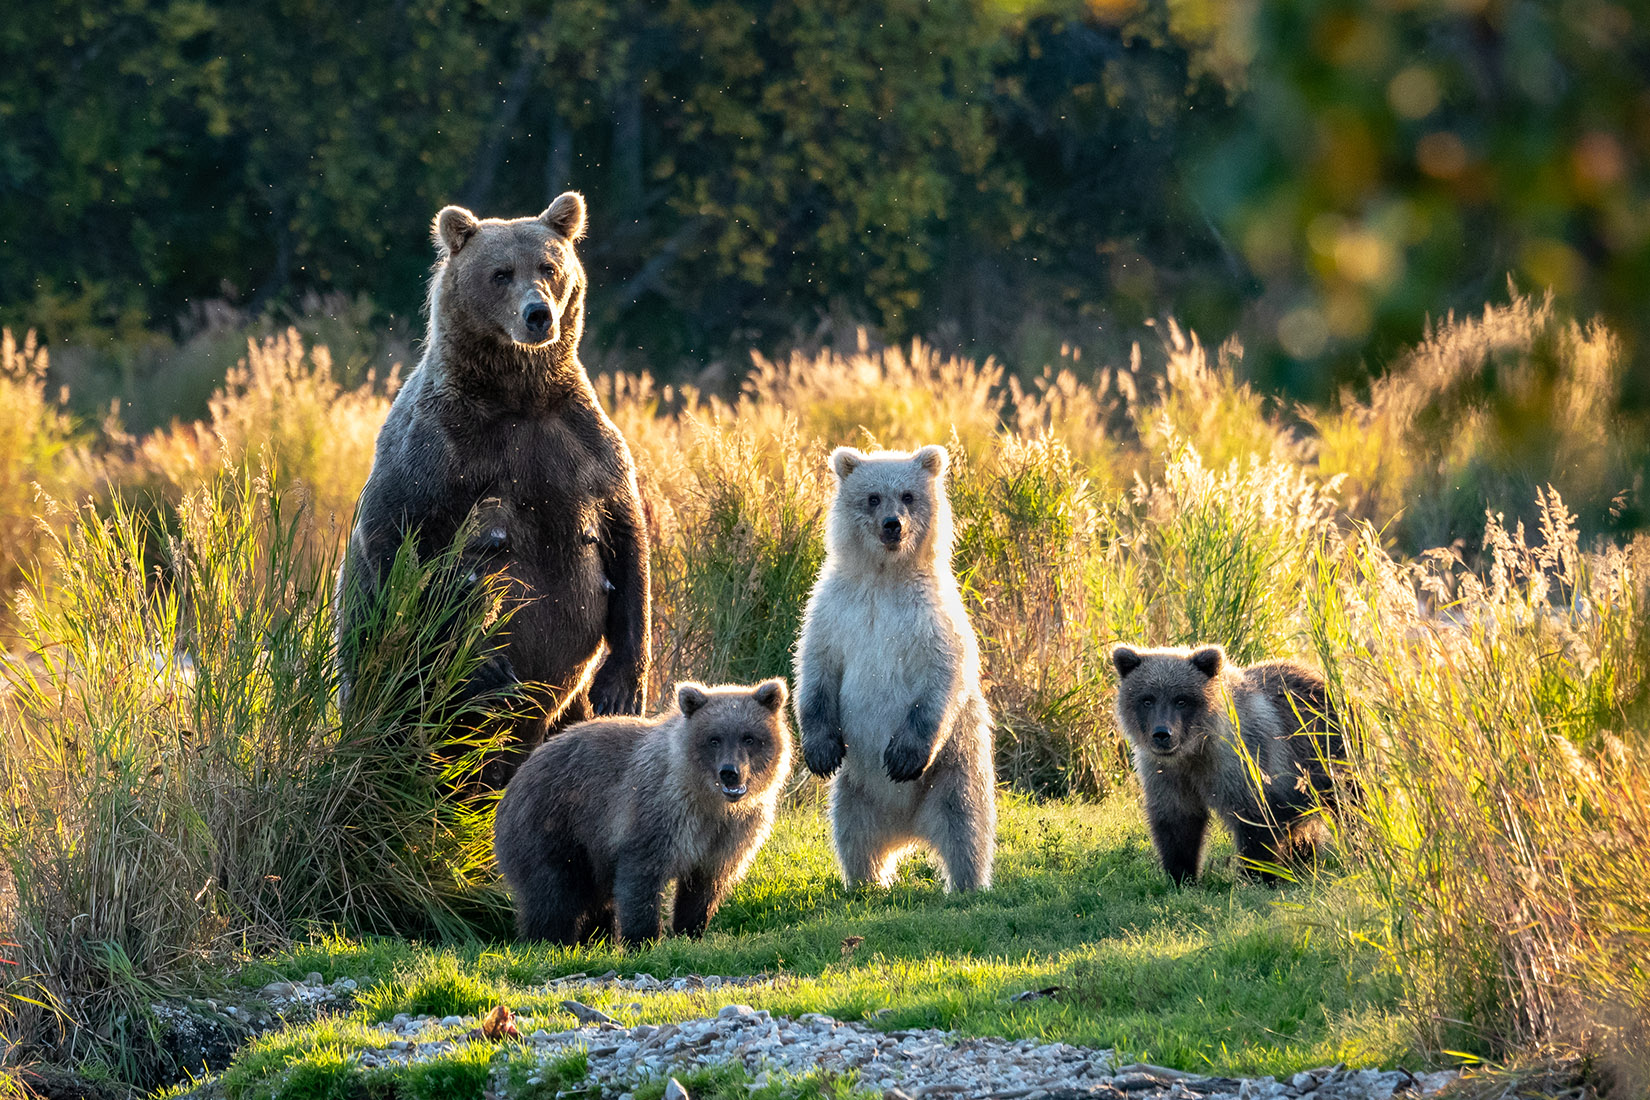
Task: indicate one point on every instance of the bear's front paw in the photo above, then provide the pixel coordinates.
(615, 694)
(494, 677)
(823, 754)
(905, 759)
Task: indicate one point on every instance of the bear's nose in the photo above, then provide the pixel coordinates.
(1161, 737)
(536, 316)
(729, 777)
(891, 527)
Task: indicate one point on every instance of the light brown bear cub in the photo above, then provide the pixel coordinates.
(888, 677)
(1188, 713)
(604, 816)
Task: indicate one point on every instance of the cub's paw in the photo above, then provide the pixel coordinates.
(823, 754)
(905, 759)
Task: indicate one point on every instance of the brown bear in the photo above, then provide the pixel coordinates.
(1255, 745)
(499, 433)
(605, 815)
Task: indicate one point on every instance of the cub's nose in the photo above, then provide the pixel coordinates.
(891, 529)
(536, 316)
(729, 777)
(1162, 738)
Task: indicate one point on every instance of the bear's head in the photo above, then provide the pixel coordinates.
(890, 505)
(735, 737)
(513, 283)
(1169, 701)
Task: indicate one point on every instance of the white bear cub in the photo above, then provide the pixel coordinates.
(888, 677)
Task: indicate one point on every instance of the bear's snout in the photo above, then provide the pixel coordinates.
(1162, 739)
(733, 784)
(536, 316)
(892, 531)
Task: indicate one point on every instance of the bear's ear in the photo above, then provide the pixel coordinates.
(453, 228)
(845, 460)
(932, 458)
(566, 215)
(690, 697)
(1126, 660)
(771, 693)
(1208, 660)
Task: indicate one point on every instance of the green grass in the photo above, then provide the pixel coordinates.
(1224, 977)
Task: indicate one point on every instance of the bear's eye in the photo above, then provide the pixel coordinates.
(1148, 700)
(906, 498)
(715, 742)
(749, 740)
(874, 499)
(546, 271)
(1181, 702)
(503, 275)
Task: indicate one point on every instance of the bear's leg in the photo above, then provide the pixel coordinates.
(959, 821)
(599, 924)
(1178, 829)
(638, 894)
(867, 848)
(1257, 847)
(549, 905)
(698, 895)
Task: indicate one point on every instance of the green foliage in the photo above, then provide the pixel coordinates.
(1398, 161)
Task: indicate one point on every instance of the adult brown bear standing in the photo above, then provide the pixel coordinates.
(500, 423)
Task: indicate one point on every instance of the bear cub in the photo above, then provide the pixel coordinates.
(605, 815)
(1188, 713)
(498, 437)
(888, 677)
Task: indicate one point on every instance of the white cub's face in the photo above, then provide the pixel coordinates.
(889, 504)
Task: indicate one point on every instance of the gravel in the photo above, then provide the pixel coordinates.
(925, 1064)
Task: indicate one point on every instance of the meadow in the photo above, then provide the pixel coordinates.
(186, 811)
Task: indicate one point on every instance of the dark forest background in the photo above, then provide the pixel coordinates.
(1320, 178)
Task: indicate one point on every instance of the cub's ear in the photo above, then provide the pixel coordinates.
(845, 460)
(690, 697)
(1126, 660)
(566, 215)
(452, 230)
(932, 458)
(772, 693)
(1209, 660)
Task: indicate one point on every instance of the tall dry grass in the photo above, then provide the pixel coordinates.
(1506, 777)
(176, 776)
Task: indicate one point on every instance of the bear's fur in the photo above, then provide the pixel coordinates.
(1187, 713)
(888, 677)
(605, 815)
(499, 427)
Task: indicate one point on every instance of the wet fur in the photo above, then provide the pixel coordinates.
(888, 679)
(604, 816)
(509, 435)
(1284, 724)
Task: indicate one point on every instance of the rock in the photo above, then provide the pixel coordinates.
(312, 978)
(585, 1014)
(675, 1091)
(452, 1021)
(731, 1012)
(349, 985)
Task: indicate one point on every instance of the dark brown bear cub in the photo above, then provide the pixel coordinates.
(1252, 744)
(604, 816)
(499, 428)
